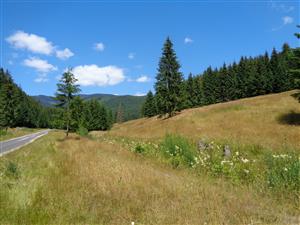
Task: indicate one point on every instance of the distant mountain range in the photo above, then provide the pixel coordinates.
(131, 104)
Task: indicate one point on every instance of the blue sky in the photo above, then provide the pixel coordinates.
(114, 46)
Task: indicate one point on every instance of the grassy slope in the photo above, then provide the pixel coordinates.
(17, 132)
(87, 182)
(266, 121)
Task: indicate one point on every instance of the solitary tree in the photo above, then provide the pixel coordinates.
(66, 90)
(168, 82)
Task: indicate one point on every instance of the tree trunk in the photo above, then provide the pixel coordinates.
(67, 133)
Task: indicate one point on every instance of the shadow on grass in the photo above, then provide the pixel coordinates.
(296, 95)
(291, 118)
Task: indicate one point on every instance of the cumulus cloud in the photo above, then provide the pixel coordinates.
(64, 54)
(36, 44)
(287, 20)
(143, 79)
(131, 55)
(40, 65)
(99, 47)
(188, 40)
(30, 42)
(93, 75)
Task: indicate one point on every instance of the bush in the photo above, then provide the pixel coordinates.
(82, 131)
(179, 150)
(139, 149)
(12, 170)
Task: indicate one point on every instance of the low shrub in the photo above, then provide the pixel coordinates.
(179, 150)
(82, 131)
(12, 170)
(139, 149)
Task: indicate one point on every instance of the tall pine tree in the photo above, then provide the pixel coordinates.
(66, 90)
(149, 106)
(169, 81)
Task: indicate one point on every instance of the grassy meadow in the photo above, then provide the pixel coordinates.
(149, 170)
(270, 121)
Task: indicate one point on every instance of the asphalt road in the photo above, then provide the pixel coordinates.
(16, 143)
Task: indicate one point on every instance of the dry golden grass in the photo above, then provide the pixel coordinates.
(81, 181)
(84, 181)
(271, 121)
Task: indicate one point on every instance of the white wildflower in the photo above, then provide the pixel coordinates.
(246, 171)
(244, 160)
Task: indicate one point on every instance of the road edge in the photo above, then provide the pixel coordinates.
(14, 149)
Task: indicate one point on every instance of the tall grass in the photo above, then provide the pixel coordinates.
(247, 165)
(82, 181)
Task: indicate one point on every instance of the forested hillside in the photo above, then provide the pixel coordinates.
(17, 109)
(131, 105)
(264, 74)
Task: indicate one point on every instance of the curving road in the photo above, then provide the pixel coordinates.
(16, 143)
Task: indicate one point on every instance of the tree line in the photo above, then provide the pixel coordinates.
(72, 113)
(250, 76)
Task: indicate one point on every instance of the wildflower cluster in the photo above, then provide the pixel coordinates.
(277, 171)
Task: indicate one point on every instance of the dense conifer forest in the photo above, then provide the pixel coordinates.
(250, 76)
(17, 109)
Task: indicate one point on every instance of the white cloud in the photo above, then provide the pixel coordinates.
(10, 62)
(40, 65)
(139, 94)
(93, 75)
(42, 78)
(64, 54)
(30, 42)
(188, 40)
(143, 79)
(287, 20)
(131, 55)
(99, 47)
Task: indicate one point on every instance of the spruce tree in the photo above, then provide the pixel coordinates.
(149, 106)
(192, 87)
(76, 113)
(280, 72)
(210, 82)
(198, 91)
(169, 81)
(66, 90)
